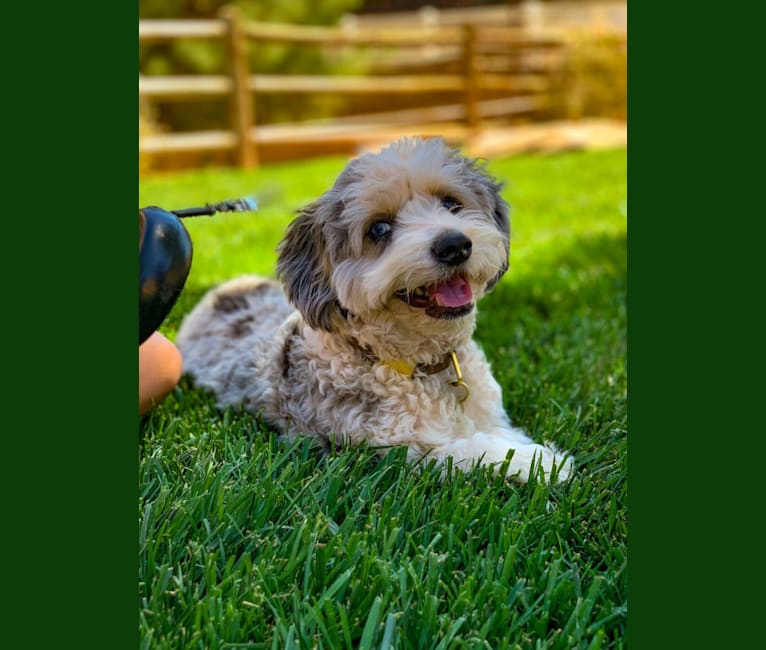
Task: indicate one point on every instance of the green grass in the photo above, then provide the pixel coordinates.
(246, 542)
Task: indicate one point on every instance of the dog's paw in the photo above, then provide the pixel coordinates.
(528, 458)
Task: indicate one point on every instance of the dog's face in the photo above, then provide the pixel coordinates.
(416, 233)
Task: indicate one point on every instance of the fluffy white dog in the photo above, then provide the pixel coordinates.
(383, 272)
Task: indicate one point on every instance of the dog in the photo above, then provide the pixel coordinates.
(366, 337)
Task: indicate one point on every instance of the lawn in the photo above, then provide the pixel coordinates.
(248, 542)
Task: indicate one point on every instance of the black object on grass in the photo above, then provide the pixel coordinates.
(165, 258)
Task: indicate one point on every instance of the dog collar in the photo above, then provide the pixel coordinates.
(408, 370)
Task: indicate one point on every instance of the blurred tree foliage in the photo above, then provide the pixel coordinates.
(186, 57)
(594, 78)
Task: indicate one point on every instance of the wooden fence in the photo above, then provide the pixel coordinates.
(496, 72)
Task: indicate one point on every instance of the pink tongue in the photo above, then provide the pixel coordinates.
(453, 293)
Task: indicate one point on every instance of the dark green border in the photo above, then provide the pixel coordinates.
(695, 279)
(70, 280)
(70, 273)
(657, 567)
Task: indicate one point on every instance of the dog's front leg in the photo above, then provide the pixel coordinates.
(492, 448)
(486, 435)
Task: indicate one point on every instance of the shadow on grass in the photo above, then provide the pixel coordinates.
(556, 337)
(590, 272)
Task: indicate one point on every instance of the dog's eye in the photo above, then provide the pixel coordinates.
(379, 229)
(451, 203)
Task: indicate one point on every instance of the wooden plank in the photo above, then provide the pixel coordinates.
(424, 115)
(355, 84)
(425, 56)
(432, 115)
(488, 35)
(168, 30)
(488, 14)
(519, 60)
(192, 87)
(507, 106)
(187, 142)
(507, 61)
(183, 86)
(513, 82)
(336, 36)
(492, 35)
(358, 135)
(273, 134)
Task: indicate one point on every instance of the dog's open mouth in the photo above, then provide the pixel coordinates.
(449, 299)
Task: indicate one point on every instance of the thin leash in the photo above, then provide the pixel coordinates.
(246, 204)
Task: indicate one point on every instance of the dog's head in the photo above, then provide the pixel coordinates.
(417, 233)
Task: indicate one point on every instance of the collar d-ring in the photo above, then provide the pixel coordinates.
(458, 382)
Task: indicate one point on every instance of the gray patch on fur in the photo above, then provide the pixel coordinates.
(229, 303)
(242, 326)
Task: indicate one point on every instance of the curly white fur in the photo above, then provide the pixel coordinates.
(366, 297)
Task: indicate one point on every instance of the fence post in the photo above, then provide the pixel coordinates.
(531, 15)
(241, 104)
(471, 84)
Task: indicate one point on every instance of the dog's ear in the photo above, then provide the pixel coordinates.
(491, 188)
(305, 258)
(491, 284)
(501, 210)
(303, 266)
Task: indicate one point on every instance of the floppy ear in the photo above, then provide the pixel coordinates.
(490, 188)
(501, 210)
(491, 284)
(303, 266)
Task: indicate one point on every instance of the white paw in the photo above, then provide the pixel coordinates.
(529, 456)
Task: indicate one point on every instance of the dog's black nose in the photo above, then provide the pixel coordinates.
(452, 248)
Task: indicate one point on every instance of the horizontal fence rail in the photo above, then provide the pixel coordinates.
(471, 61)
(186, 87)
